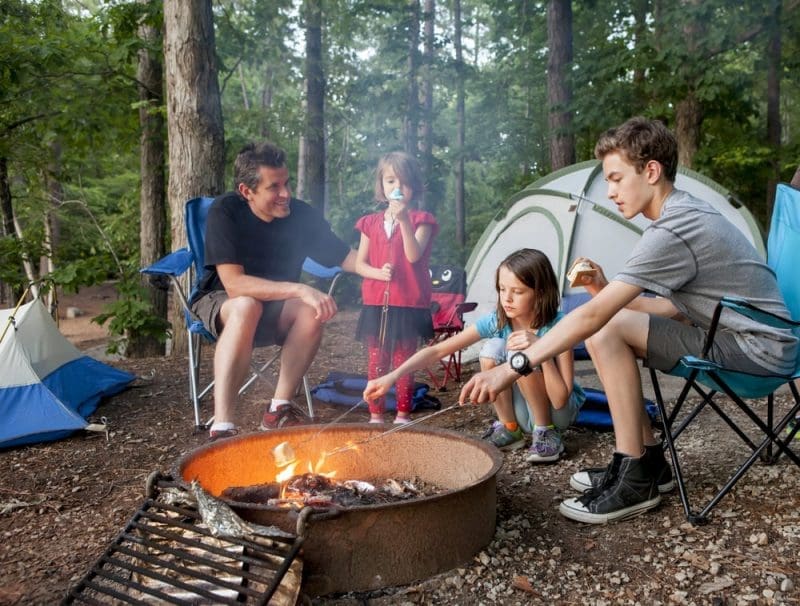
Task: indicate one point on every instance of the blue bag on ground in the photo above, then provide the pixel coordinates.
(345, 389)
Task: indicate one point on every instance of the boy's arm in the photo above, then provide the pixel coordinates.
(576, 326)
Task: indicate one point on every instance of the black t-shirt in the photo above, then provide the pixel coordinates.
(273, 250)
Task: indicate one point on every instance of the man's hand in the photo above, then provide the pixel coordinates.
(485, 386)
(595, 282)
(377, 388)
(323, 303)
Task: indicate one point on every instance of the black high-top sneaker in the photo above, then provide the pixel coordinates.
(628, 489)
(586, 479)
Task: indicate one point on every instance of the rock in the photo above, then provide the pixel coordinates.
(74, 312)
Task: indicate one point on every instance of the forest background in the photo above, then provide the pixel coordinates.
(113, 114)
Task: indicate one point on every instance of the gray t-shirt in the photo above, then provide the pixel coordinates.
(694, 256)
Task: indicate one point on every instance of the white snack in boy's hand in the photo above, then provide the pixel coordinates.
(580, 269)
(284, 454)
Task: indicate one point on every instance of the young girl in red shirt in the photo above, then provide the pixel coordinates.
(393, 257)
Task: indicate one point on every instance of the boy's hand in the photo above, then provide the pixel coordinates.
(485, 386)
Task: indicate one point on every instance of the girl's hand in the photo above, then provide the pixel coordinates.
(377, 388)
(521, 339)
(398, 209)
(386, 272)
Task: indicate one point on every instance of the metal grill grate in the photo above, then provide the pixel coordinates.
(167, 554)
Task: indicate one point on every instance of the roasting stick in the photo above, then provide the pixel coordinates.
(399, 427)
(395, 195)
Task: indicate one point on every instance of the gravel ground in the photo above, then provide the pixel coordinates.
(62, 503)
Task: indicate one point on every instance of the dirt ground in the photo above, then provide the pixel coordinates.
(61, 503)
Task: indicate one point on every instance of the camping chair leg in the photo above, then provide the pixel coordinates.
(194, 355)
(676, 466)
(309, 399)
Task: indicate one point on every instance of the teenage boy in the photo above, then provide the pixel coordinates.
(689, 257)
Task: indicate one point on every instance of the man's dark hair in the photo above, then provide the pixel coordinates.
(251, 158)
(640, 140)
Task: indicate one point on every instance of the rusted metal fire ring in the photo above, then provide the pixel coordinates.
(371, 546)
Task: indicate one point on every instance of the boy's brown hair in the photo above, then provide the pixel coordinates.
(640, 140)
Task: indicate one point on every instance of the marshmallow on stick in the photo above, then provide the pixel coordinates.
(284, 454)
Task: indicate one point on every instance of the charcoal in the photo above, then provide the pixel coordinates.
(258, 493)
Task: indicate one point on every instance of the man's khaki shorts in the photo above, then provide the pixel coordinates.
(208, 307)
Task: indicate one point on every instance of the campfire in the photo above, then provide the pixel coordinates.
(438, 485)
(320, 488)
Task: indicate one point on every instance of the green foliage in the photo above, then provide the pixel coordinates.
(131, 313)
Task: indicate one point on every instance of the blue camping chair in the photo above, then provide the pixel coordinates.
(707, 378)
(191, 259)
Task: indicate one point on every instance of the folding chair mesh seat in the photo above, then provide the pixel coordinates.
(707, 379)
(449, 287)
(191, 259)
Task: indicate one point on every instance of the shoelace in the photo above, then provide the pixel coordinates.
(609, 475)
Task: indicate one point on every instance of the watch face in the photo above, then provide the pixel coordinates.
(518, 361)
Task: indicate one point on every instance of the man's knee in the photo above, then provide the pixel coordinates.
(298, 316)
(244, 311)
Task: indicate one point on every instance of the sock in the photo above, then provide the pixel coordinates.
(402, 419)
(273, 407)
(222, 426)
(376, 418)
(512, 426)
(543, 427)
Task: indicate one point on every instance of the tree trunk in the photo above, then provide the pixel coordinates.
(461, 237)
(774, 101)
(153, 195)
(7, 295)
(412, 102)
(427, 84)
(688, 118)
(52, 223)
(194, 118)
(559, 83)
(315, 114)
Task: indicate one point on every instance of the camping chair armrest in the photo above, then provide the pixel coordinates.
(174, 264)
(745, 308)
(321, 271)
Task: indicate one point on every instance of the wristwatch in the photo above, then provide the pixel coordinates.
(520, 363)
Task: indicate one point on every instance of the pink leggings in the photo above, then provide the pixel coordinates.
(378, 365)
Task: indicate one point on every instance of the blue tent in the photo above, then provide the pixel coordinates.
(48, 388)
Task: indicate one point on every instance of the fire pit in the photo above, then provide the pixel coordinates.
(368, 547)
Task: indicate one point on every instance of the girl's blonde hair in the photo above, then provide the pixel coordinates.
(405, 167)
(533, 269)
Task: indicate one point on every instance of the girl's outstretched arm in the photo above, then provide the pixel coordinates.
(424, 358)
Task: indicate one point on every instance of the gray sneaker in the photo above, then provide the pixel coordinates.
(586, 479)
(546, 446)
(504, 439)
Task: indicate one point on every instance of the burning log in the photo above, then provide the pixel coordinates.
(317, 490)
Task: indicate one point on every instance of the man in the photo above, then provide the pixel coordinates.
(257, 238)
(690, 256)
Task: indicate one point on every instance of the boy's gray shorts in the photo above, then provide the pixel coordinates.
(495, 349)
(208, 306)
(669, 340)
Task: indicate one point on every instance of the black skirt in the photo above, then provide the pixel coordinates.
(402, 323)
